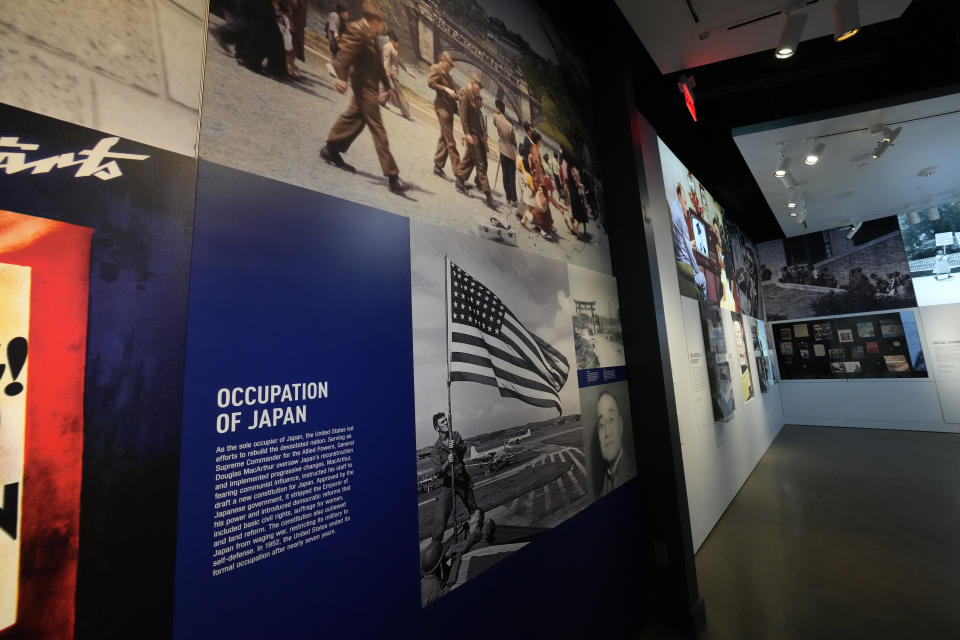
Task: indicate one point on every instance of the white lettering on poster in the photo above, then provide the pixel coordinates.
(279, 494)
(92, 165)
(267, 394)
(14, 326)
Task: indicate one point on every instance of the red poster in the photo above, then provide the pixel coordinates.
(54, 259)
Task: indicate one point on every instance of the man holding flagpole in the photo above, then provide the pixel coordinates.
(447, 457)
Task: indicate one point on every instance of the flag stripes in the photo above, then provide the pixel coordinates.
(489, 345)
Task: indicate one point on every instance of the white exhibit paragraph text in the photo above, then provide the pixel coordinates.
(279, 494)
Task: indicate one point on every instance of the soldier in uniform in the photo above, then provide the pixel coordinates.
(447, 458)
(360, 58)
(475, 137)
(445, 104)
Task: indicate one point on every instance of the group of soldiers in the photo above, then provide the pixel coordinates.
(371, 70)
(359, 59)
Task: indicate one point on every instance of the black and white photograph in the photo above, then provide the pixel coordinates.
(846, 367)
(845, 335)
(837, 354)
(607, 437)
(786, 348)
(826, 273)
(785, 333)
(471, 114)
(500, 450)
(596, 319)
(933, 252)
(748, 270)
(718, 361)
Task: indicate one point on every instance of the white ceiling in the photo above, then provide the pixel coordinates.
(676, 41)
(847, 184)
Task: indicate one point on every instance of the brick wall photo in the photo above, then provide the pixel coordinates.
(131, 68)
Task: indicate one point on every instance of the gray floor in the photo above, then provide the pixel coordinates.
(840, 533)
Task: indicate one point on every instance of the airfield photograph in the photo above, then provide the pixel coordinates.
(527, 479)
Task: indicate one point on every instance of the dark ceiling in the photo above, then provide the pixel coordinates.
(917, 55)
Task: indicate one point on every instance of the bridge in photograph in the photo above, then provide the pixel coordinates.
(433, 34)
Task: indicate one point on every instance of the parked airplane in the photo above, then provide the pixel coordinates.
(493, 459)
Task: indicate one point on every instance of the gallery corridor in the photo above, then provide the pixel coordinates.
(839, 533)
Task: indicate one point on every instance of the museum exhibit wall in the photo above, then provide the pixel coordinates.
(718, 453)
(892, 269)
(223, 362)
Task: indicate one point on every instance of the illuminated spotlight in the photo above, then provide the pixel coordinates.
(781, 169)
(815, 152)
(792, 200)
(788, 180)
(853, 230)
(846, 19)
(790, 36)
(933, 214)
(889, 135)
(913, 217)
(881, 147)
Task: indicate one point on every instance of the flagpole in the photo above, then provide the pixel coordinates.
(446, 339)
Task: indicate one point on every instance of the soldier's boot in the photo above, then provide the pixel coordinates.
(332, 156)
(460, 186)
(397, 185)
(490, 202)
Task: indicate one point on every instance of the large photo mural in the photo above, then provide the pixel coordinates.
(468, 114)
(826, 273)
(715, 259)
(931, 239)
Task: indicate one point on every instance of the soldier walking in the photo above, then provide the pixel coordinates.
(445, 104)
(360, 58)
(475, 140)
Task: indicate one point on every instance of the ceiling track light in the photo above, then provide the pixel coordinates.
(913, 217)
(889, 135)
(853, 229)
(933, 213)
(788, 180)
(846, 19)
(781, 169)
(881, 148)
(792, 201)
(790, 36)
(813, 156)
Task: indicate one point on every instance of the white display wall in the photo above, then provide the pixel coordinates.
(717, 456)
(917, 404)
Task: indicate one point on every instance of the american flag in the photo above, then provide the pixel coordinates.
(489, 345)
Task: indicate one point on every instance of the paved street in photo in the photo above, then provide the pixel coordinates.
(274, 128)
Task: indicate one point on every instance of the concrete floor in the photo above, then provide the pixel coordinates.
(840, 533)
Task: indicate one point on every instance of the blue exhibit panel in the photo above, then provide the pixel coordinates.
(289, 287)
